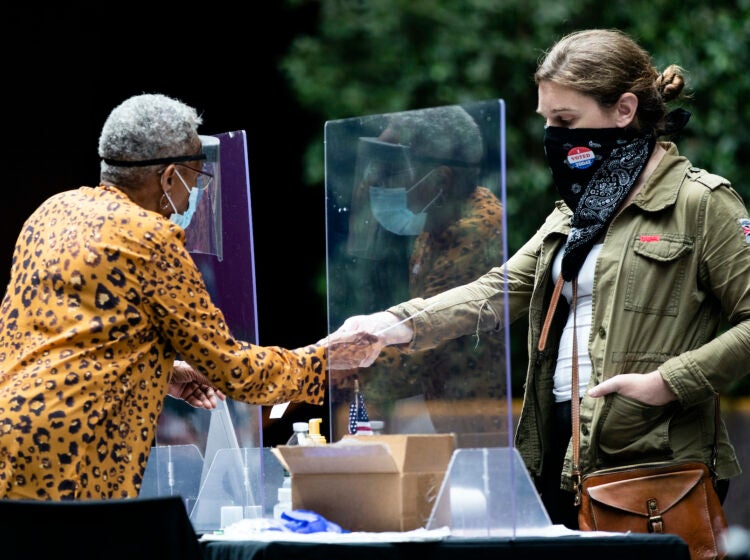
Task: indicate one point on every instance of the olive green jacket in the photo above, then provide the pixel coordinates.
(675, 264)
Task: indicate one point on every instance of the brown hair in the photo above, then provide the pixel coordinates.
(604, 64)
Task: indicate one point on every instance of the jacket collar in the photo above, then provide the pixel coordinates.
(662, 187)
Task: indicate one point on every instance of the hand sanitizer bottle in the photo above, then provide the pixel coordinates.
(300, 434)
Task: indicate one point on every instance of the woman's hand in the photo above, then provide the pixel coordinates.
(348, 351)
(193, 387)
(648, 388)
(358, 342)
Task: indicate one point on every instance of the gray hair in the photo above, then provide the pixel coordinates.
(447, 133)
(441, 132)
(145, 127)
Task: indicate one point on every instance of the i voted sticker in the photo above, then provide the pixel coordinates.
(580, 157)
(745, 226)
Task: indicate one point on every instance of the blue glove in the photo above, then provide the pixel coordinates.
(304, 521)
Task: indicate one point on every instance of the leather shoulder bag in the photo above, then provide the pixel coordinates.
(669, 497)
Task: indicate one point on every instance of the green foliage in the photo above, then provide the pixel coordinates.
(378, 56)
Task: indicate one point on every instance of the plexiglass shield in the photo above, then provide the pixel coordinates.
(414, 207)
(196, 449)
(204, 234)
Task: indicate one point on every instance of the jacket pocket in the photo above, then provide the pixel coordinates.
(631, 431)
(656, 273)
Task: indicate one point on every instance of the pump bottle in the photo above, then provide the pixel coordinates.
(315, 436)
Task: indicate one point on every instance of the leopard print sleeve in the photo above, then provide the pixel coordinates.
(179, 308)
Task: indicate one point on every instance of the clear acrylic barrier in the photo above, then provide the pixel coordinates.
(242, 477)
(414, 207)
(173, 470)
(488, 492)
(204, 234)
(228, 268)
(231, 282)
(221, 435)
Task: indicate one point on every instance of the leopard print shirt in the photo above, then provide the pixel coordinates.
(102, 297)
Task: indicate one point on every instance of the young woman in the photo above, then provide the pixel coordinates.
(660, 253)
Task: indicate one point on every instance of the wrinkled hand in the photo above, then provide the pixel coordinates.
(358, 342)
(193, 387)
(648, 388)
(347, 351)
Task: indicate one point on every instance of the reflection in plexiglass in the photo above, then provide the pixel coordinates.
(414, 207)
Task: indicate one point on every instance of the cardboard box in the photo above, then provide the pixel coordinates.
(370, 483)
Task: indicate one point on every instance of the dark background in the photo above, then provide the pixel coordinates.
(66, 69)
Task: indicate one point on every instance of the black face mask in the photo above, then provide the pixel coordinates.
(594, 170)
(575, 154)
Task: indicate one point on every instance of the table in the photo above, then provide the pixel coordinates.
(619, 547)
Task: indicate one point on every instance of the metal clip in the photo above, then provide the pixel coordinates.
(577, 488)
(655, 522)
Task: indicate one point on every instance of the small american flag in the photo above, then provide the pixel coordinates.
(359, 422)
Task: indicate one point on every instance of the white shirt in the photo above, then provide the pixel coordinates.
(563, 370)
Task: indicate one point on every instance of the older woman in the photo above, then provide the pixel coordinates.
(103, 297)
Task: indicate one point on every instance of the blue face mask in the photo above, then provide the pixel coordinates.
(390, 210)
(390, 207)
(183, 220)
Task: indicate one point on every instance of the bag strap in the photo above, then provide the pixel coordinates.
(550, 313)
(715, 448)
(575, 402)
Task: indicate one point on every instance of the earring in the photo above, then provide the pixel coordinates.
(164, 203)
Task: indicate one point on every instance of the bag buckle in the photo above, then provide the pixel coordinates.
(577, 487)
(655, 522)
